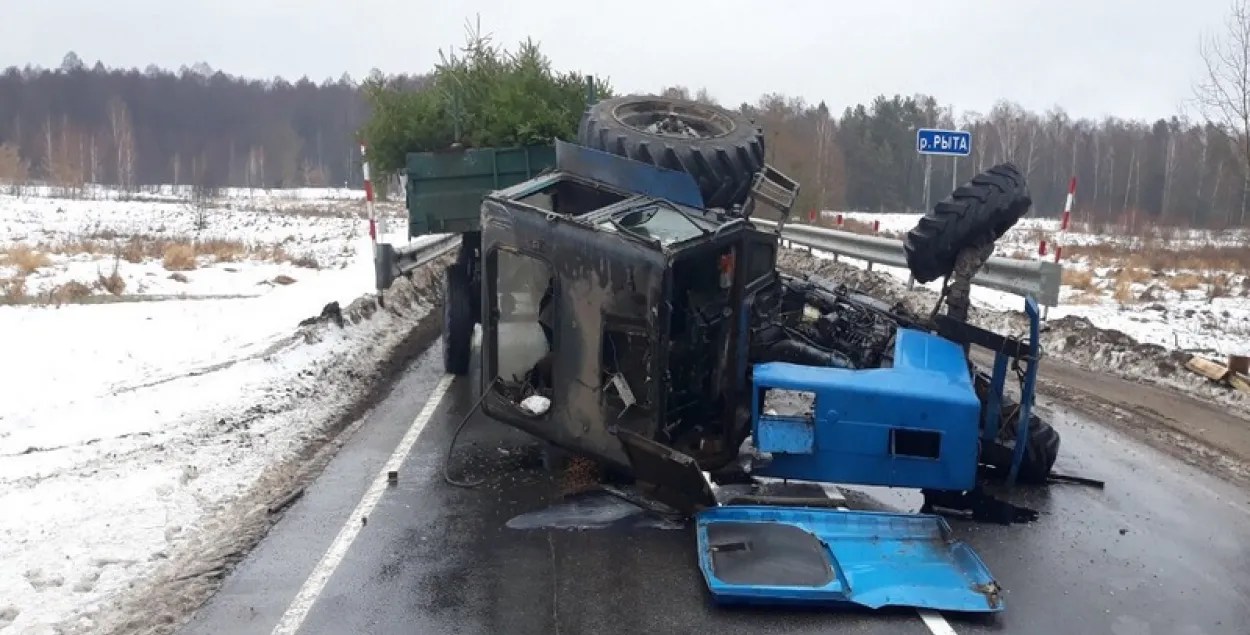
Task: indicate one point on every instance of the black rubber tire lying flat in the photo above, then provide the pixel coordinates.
(976, 214)
(722, 160)
(457, 320)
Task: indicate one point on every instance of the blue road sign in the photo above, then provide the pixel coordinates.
(956, 143)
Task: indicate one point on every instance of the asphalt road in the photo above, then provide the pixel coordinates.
(1164, 549)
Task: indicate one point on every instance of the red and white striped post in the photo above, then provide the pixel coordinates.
(1066, 219)
(373, 218)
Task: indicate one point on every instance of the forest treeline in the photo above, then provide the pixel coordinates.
(131, 128)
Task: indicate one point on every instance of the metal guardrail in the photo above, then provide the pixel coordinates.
(390, 262)
(1025, 278)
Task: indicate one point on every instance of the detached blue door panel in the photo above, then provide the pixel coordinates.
(752, 554)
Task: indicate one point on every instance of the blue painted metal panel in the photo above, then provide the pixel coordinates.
(1028, 390)
(945, 142)
(918, 350)
(928, 390)
(994, 402)
(877, 559)
(627, 174)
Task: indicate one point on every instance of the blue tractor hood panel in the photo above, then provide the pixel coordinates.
(914, 424)
(627, 174)
(753, 554)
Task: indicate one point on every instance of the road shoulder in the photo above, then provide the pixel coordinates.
(1197, 432)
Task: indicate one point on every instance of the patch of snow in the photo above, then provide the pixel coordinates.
(125, 425)
(178, 193)
(247, 248)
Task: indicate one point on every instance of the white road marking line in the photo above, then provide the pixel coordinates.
(833, 492)
(316, 582)
(936, 623)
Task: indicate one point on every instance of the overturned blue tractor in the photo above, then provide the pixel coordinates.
(632, 312)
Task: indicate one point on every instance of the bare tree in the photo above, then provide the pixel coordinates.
(1007, 123)
(1223, 95)
(203, 190)
(705, 97)
(256, 167)
(675, 92)
(1169, 166)
(14, 171)
(94, 161)
(123, 142)
(60, 165)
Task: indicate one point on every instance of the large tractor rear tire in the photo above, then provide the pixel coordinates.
(975, 215)
(457, 320)
(720, 148)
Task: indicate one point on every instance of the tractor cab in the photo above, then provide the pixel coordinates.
(613, 301)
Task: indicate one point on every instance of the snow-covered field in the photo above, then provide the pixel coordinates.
(1179, 289)
(154, 367)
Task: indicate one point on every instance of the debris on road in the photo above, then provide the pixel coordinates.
(286, 501)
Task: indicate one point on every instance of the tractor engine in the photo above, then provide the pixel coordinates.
(820, 324)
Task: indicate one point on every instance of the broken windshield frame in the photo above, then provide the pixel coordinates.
(656, 221)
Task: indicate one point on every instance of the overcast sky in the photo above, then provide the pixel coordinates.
(1129, 58)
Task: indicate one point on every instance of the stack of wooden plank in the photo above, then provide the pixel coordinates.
(1233, 372)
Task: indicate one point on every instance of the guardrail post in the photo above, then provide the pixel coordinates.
(383, 271)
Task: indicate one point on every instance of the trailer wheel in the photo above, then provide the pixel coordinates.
(720, 148)
(976, 214)
(1039, 455)
(457, 320)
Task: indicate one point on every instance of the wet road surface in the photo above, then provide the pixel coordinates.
(1164, 549)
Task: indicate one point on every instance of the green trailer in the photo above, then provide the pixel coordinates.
(443, 193)
(443, 190)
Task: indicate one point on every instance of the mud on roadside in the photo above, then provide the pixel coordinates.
(1156, 430)
(194, 571)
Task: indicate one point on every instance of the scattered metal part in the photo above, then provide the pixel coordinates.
(1076, 480)
(286, 501)
(976, 505)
